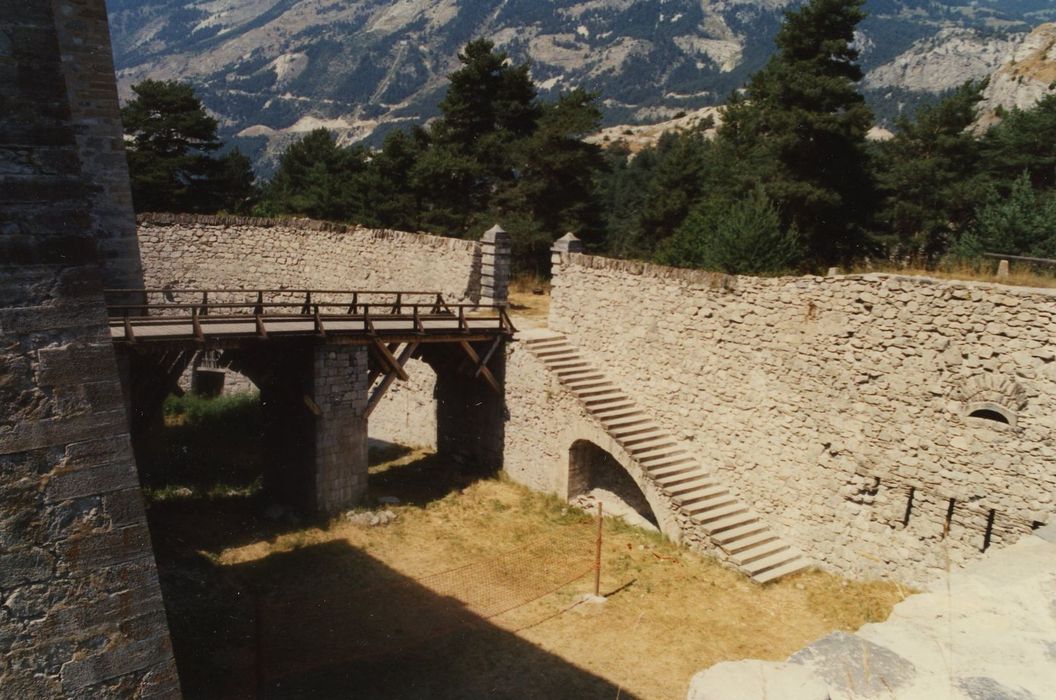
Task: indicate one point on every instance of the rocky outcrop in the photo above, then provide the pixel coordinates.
(985, 632)
(1029, 75)
(942, 62)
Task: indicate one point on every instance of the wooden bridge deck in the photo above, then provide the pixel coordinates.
(354, 316)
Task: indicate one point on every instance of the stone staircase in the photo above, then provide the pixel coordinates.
(749, 544)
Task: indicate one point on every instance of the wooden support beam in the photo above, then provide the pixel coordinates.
(376, 396)
(319, 330)
(375, 373)
(482, 369)
(389, 359)
(487, 358)
(196, 325)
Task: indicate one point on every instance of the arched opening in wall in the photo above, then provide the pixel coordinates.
(989, 415)
(994, 414)
(201, 428)
(401, 430)
(595, 475)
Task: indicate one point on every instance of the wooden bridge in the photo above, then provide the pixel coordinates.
(220, 314)
(323, 359)
(383, 320)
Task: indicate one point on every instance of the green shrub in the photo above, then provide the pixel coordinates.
(741, 237)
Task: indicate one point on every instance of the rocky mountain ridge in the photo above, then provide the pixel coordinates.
(273, 69)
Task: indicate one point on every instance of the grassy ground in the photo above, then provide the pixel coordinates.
(277, 607)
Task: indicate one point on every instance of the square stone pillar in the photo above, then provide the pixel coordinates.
(559, 251)
(495, 256)
(340, 401)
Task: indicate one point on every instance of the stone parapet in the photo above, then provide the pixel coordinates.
(182, 250)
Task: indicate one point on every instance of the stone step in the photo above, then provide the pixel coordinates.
(597, 392)
(674, 473)
(547, 344)
(551, 351)
(586, 380)
(700, 481)
(567, 365)
(733, 537)
(797, 564)
(663, 446)
(750, 555)
(608, 403)
(587, 372)
(675, 480)
(629, 423)
(536, 337)
(660, 465)
(720, 504)
(760, 566)
(634, 427)
(618, 413)
(736, 519)
(639, 436)
(708, 491)
(751, 543)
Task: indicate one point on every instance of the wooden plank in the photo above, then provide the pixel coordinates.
(475, 358)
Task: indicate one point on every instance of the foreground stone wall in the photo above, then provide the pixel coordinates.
(839, 407)
(81, 614)
(246, 253)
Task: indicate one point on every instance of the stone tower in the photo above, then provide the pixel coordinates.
(81, 612)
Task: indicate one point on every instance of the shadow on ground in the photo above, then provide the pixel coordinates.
(331, 621)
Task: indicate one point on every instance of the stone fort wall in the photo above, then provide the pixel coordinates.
(839, 407)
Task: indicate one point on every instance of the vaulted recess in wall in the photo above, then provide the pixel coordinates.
(590, 469)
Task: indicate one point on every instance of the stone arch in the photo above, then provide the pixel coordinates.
(993, 397)
(583, 431)
(590, 468)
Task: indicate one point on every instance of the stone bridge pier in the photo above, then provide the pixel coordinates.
(316, 398)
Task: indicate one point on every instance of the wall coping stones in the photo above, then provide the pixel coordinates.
(717, 280)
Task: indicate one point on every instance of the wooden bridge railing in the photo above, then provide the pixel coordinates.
(321, 306)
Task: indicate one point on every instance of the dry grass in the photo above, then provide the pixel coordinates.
(669, 614)
(529, 298)
(1019, 276)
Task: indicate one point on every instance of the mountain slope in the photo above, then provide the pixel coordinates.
(271, 69)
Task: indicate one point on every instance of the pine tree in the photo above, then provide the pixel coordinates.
(170, 162)
(799, 131)
(930, 175)
(740, 237)
(318, 178)
(1024, 141)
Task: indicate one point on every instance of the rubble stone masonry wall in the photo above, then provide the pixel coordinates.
(251, 253)
(840, 407)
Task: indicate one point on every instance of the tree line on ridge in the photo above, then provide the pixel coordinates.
(788, 183)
